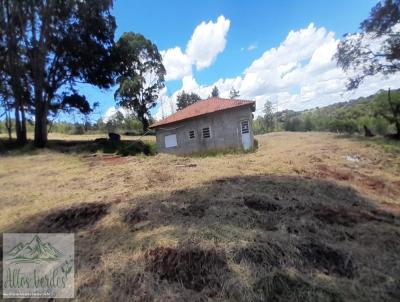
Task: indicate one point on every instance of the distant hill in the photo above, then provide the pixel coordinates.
(346, 117)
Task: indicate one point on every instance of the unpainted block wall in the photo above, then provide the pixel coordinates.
(225, 132)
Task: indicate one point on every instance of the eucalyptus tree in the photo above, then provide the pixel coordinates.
(185, 99)
(376, 49)
(60, 44)
(140, 75)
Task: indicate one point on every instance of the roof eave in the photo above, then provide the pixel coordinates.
(251, 103)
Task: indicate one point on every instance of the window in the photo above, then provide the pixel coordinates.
(192, 134)
(170, 141)
(245, 127)
(206, 132)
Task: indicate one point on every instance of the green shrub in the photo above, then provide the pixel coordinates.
(124, 148)
(255, 144)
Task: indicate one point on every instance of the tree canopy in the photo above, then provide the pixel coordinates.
(215, 92)
(376, 49)
(233, 94)
(140, 75)
(185, 99)
(54, 45)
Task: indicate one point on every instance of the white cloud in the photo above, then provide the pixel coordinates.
(113, 111)
(176, 63)
(207, 41)
(298, 74)
(252, 47)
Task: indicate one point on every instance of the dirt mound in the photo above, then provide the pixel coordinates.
(267, 254)
(324, 171)
(104, 159)
(257, 203)
(135, 216)
(194, 268)
(127, 283)
(327, 259)
(350, 217)
(74, 218)
(281, 286)
(194, 210)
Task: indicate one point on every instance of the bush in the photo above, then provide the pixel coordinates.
(343, 126)
(124, 148)
(255, 144)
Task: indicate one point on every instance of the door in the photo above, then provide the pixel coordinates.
(245, 131)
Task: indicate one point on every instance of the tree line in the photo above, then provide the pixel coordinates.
(48, 47)
(374, 112)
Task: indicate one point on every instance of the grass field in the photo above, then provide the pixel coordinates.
(307, 217)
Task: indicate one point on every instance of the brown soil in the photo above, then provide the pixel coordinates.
(324, 171)
(372, 183)
(104, 159)
(194, 268)
(74, 218)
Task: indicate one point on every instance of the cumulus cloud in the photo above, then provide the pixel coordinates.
(177, 64)
(297, 74)
(207, 41)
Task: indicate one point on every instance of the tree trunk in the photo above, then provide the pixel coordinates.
(145, 124)
(398, 129)
(17, 123)
(40, 125)
(23, 126)
(9, 125)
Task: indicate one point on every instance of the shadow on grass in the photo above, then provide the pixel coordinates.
(251, 238)
(123, 148)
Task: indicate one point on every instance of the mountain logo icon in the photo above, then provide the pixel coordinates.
(35, 251)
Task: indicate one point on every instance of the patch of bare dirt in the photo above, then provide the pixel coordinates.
(372, 183)
(104, 159)
(259, 204)
(74, 218)
(324, 171)
(327, 259)
(194, 268)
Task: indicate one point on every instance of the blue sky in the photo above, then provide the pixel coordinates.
(245, 33)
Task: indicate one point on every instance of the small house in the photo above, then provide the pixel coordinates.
(211, 124)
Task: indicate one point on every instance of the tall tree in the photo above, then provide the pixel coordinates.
(13, 63)
(268, 117)
(140, 75)
(388, 106)
(215, 92)
(233, 94)
(62, 42)
(185, 99)
(377, 48)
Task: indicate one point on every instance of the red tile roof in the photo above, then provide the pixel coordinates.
(201, 108)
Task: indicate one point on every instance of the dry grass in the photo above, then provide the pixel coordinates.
(308, 217)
